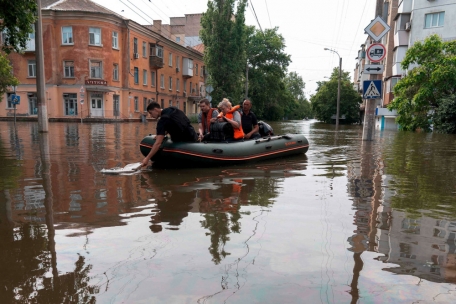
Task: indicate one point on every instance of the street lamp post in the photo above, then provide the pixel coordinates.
(338, 87)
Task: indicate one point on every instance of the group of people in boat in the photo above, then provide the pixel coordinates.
(173, 121)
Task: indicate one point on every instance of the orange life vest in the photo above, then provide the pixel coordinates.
(238, 133)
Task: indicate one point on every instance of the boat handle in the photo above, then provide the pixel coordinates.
(268, 147)
(299, 141)
(217, 150)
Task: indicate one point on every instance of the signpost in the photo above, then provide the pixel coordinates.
(373, 88)
(376, 52)
(15, 100)
(373, 69)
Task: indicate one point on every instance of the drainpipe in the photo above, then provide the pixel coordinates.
(128, 64)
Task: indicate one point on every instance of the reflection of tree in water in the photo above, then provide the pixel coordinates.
(26, 265)
(222, 215)
(422, 166)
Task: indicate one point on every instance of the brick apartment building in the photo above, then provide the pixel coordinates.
(100, 65)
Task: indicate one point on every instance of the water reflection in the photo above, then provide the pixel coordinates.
(340, 221)
(216, 194)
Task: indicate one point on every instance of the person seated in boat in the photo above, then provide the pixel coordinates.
(207, 116)
(172, 121)
(230, 115)
(249, 121)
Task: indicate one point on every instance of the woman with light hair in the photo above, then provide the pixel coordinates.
(231, 116)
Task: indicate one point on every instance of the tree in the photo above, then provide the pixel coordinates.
(300, 106)
(324, 102)
(267, 67)
(17, 17)
(427, 85)
(224, 36)
(445, 117)
(6, 75)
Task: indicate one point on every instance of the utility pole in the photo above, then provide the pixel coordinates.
(247, 80)
(40, 80)
(338, 87)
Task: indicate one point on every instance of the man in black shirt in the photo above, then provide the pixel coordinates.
(249, 121)
(172, 121)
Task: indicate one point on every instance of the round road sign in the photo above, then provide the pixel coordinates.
(376, 52)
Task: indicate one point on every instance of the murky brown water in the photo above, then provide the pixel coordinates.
(351, 221)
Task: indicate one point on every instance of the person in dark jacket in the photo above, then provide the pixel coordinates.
(249, 121)
(172, 121)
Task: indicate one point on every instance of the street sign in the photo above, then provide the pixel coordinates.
(15, 99)
(209, 98)
(372, 89)
(373, 69)
(377, 29)
(376, 52)
(82, 89)
(209, 89)
(82, 101)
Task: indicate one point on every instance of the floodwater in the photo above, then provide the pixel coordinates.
(349, 222)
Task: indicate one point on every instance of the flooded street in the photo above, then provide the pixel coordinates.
(348, 222)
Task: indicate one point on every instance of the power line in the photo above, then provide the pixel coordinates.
(256, 17)
(267, 9)
(360, 19)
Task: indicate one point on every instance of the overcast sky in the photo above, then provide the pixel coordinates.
(307, 26)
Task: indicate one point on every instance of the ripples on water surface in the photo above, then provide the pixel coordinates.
(350, 221)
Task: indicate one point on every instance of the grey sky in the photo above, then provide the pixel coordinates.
(307, 26)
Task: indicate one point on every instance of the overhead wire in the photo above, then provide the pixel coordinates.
(360, 19)
(267, 9)
(255, 15)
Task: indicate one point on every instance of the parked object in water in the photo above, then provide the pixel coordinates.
(265, 129)
(224, 154)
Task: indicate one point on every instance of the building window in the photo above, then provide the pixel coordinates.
(136, 104)
(115, 72)
(94, 36)
(96, 69)
(177, 63)
(170, 83)
(178, 39)
(196, 69)
(185, 85)
(159, 51)
(191, 87)
(162, 103)
(135, 45)
(144, 49)
(145, 104)
(152, 78)
(177, 85)
(170, 103)
(71, 104)
(67, 35)
(144, 77)
(177, 104)
(31, 68)
(162, 81)
(115, 40)
(136, 74)
(434, 20)
(170, 60)
(68, 69)
(30, 43)
(185, 107)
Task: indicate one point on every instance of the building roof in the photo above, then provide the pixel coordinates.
(76, 5)
(199, 48)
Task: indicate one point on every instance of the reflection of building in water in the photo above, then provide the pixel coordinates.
(422, 246)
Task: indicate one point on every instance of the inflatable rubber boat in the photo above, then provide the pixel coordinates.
(209, 154)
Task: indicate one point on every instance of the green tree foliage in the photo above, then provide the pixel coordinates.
(445, 117)
(224, 36)
(324, 102)
(267, 64)
(299, 106)
(17, 17)
(426, 86)
(6, 75)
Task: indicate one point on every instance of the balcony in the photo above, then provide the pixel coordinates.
(187, 68)
(155, 62)
(401, 38)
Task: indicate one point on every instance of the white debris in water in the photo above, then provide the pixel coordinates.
(130, 168)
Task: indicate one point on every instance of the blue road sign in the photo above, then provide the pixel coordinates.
(372, 89)
(15, 99)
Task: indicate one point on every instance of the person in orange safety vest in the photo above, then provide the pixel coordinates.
(231, 115)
